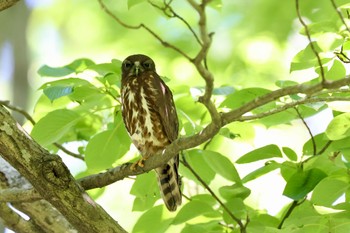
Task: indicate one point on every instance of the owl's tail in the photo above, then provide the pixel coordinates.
(170, 184)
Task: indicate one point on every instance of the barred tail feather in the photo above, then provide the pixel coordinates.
(169, 184)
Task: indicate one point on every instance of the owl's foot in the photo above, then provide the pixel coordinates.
(139, 163)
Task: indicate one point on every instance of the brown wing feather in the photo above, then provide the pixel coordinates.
(166, 108)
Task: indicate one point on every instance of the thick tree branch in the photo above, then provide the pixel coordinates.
(15, 222)
(51, 178)
(4, 4)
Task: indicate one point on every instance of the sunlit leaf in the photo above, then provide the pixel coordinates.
(76, 66)
(328, 191)
(146, 191)
(290, 153)
(339, 127)
(152, 221)
(132, 3)
(234, 191)
(242, 97)
(196, 159)
(54, 125)
(106, 147)
(191, 210)
(221, 165)
(336, 72)
(261, 171)
(266, 152)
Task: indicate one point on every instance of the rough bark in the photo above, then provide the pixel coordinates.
(51, 178)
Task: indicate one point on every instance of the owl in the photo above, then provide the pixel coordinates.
(150, 118)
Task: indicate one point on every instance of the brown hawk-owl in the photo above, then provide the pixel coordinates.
(150, 118)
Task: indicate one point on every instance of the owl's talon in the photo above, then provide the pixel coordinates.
(139, 163)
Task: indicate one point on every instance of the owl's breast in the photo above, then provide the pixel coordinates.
(141, 118)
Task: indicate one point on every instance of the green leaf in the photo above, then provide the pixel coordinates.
(152, 221)
(303, 182)
(234, 191)
(132, 3)
(76, 66)
(77, 89)
(266, 152)
(241, 97)
(221, 165)
(305, 58)
(146, 191)
(261, 171)
(57, 91)
(196, 159)
(107, 147)
(290, 153)
(105, 68)
(191, 210)
(336, 72)
(320, 141)
(237, 208)
(339, 127)
(224, 90)
(328, 191)
(207, 227)
(54, 126)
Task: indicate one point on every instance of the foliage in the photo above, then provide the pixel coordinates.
(80, 103)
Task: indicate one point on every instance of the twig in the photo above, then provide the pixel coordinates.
(289, 211)
(324, 148)
(309, 38)
(309, 130)
(7, 104)
(239, 222)
(308, 90)
(292, 105)
(175, 15)
(340, 15)
(154, 34)
(68, 152)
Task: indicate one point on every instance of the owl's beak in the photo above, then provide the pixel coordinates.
(137, 68)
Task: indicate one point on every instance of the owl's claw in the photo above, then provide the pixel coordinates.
(140, 163)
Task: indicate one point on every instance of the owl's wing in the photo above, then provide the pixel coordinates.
(166, 109)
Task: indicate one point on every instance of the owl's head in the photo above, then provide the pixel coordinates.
(136, 64)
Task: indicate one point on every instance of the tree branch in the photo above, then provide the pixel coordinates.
(41, 212)
(120, 172)
(15, 222)
(51, 178)
(4, 4)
